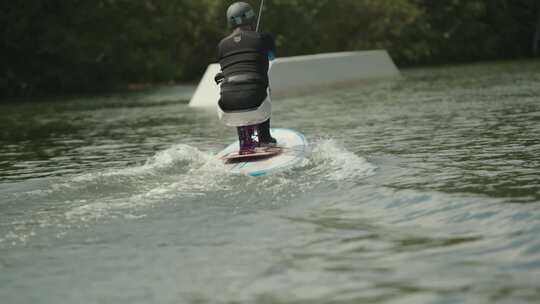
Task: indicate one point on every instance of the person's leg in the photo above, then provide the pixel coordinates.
(247, 132)
(265, 138)
(246, 137)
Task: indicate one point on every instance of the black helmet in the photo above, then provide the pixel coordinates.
(240, 13)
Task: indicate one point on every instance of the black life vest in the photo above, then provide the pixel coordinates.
(244, 54)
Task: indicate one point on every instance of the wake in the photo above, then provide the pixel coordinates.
(178, 175)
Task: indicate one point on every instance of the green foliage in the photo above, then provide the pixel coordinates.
(58, 46)
(337, 25)
(73, 46)
(464, 30)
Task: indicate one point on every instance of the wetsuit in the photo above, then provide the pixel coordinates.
(244, 59)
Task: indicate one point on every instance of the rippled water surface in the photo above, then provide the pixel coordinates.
(421, 190)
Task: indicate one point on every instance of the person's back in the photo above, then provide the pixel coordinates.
(244, 60)
(244, 64)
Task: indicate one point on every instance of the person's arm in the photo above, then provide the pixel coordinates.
(219, 76)
(270, 46)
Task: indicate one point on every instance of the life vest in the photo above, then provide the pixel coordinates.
(243, 57)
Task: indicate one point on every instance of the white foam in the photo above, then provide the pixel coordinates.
(176, 155)
(184, 172)
(179, 171)
(336, 163)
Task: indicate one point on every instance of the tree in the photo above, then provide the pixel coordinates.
(536, 39)
(55, 46)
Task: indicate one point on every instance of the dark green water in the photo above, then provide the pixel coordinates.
(420, 190)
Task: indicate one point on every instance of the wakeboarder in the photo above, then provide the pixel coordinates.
(244, 58)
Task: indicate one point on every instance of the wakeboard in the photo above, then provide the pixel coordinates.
(290, 150)
(258, 153)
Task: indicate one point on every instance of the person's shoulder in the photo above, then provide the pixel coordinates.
(226, 38)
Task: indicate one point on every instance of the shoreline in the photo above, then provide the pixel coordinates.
(133, 88)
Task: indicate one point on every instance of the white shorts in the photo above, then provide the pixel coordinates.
(249, 117)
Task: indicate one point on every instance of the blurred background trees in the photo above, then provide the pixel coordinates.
(76, 46)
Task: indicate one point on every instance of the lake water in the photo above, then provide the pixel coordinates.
(424, 189)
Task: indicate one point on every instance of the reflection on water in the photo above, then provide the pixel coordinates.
(420, 190)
